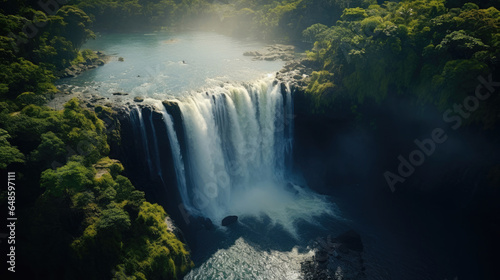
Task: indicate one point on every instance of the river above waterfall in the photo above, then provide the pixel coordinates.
(163, 64)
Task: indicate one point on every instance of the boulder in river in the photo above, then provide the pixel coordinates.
(229, 220)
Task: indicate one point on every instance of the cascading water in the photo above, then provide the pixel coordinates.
(238, 144)
(155, 149)
(177, 158)
(140, 128)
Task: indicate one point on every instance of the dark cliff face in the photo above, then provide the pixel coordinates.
(149, 164)
(449, 197)
(349, 149)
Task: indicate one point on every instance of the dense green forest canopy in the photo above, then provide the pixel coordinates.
(416, 48)
(363, 51)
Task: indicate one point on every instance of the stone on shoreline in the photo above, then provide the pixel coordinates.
(77, 69)
(273, 52)
(252, 53)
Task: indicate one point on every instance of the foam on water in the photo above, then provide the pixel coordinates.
(243, 261)
(238, 140)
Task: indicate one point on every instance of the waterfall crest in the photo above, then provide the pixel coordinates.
(236, 155)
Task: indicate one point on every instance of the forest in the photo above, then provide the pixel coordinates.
(73, 202)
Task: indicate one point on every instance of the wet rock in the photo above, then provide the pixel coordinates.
(252, 53)
(68, 74)
(120, 93)
(75, 70)
(138, 99)
(273, 52)
(229, 220)
(271, 57)
(167, 103)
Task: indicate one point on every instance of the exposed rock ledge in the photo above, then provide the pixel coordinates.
(273, 52)
(75, 70)
(296, 73)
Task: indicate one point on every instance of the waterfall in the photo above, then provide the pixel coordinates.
(177, 159)
(236, 154)
(156, 149)
(140, 128)
(236, 138)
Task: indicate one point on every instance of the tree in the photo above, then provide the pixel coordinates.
(8, 153)
(69, 179)
(50, 149)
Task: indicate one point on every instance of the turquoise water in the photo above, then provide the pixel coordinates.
(164, 64)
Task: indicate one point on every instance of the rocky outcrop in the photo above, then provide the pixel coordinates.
(77, 69)
(339, 258)
(296, 73)
(106, 166)
(273, 52)
(173, 228)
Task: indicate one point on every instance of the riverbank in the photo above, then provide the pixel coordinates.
(90, 63)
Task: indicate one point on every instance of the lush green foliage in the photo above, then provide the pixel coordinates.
(284, 19)
(8, 154)
(35, 41)
(56, 133)
(93, 221)
(129, 14)
(74, 203)
(272, 20)
(418, 48)
(113, 231)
